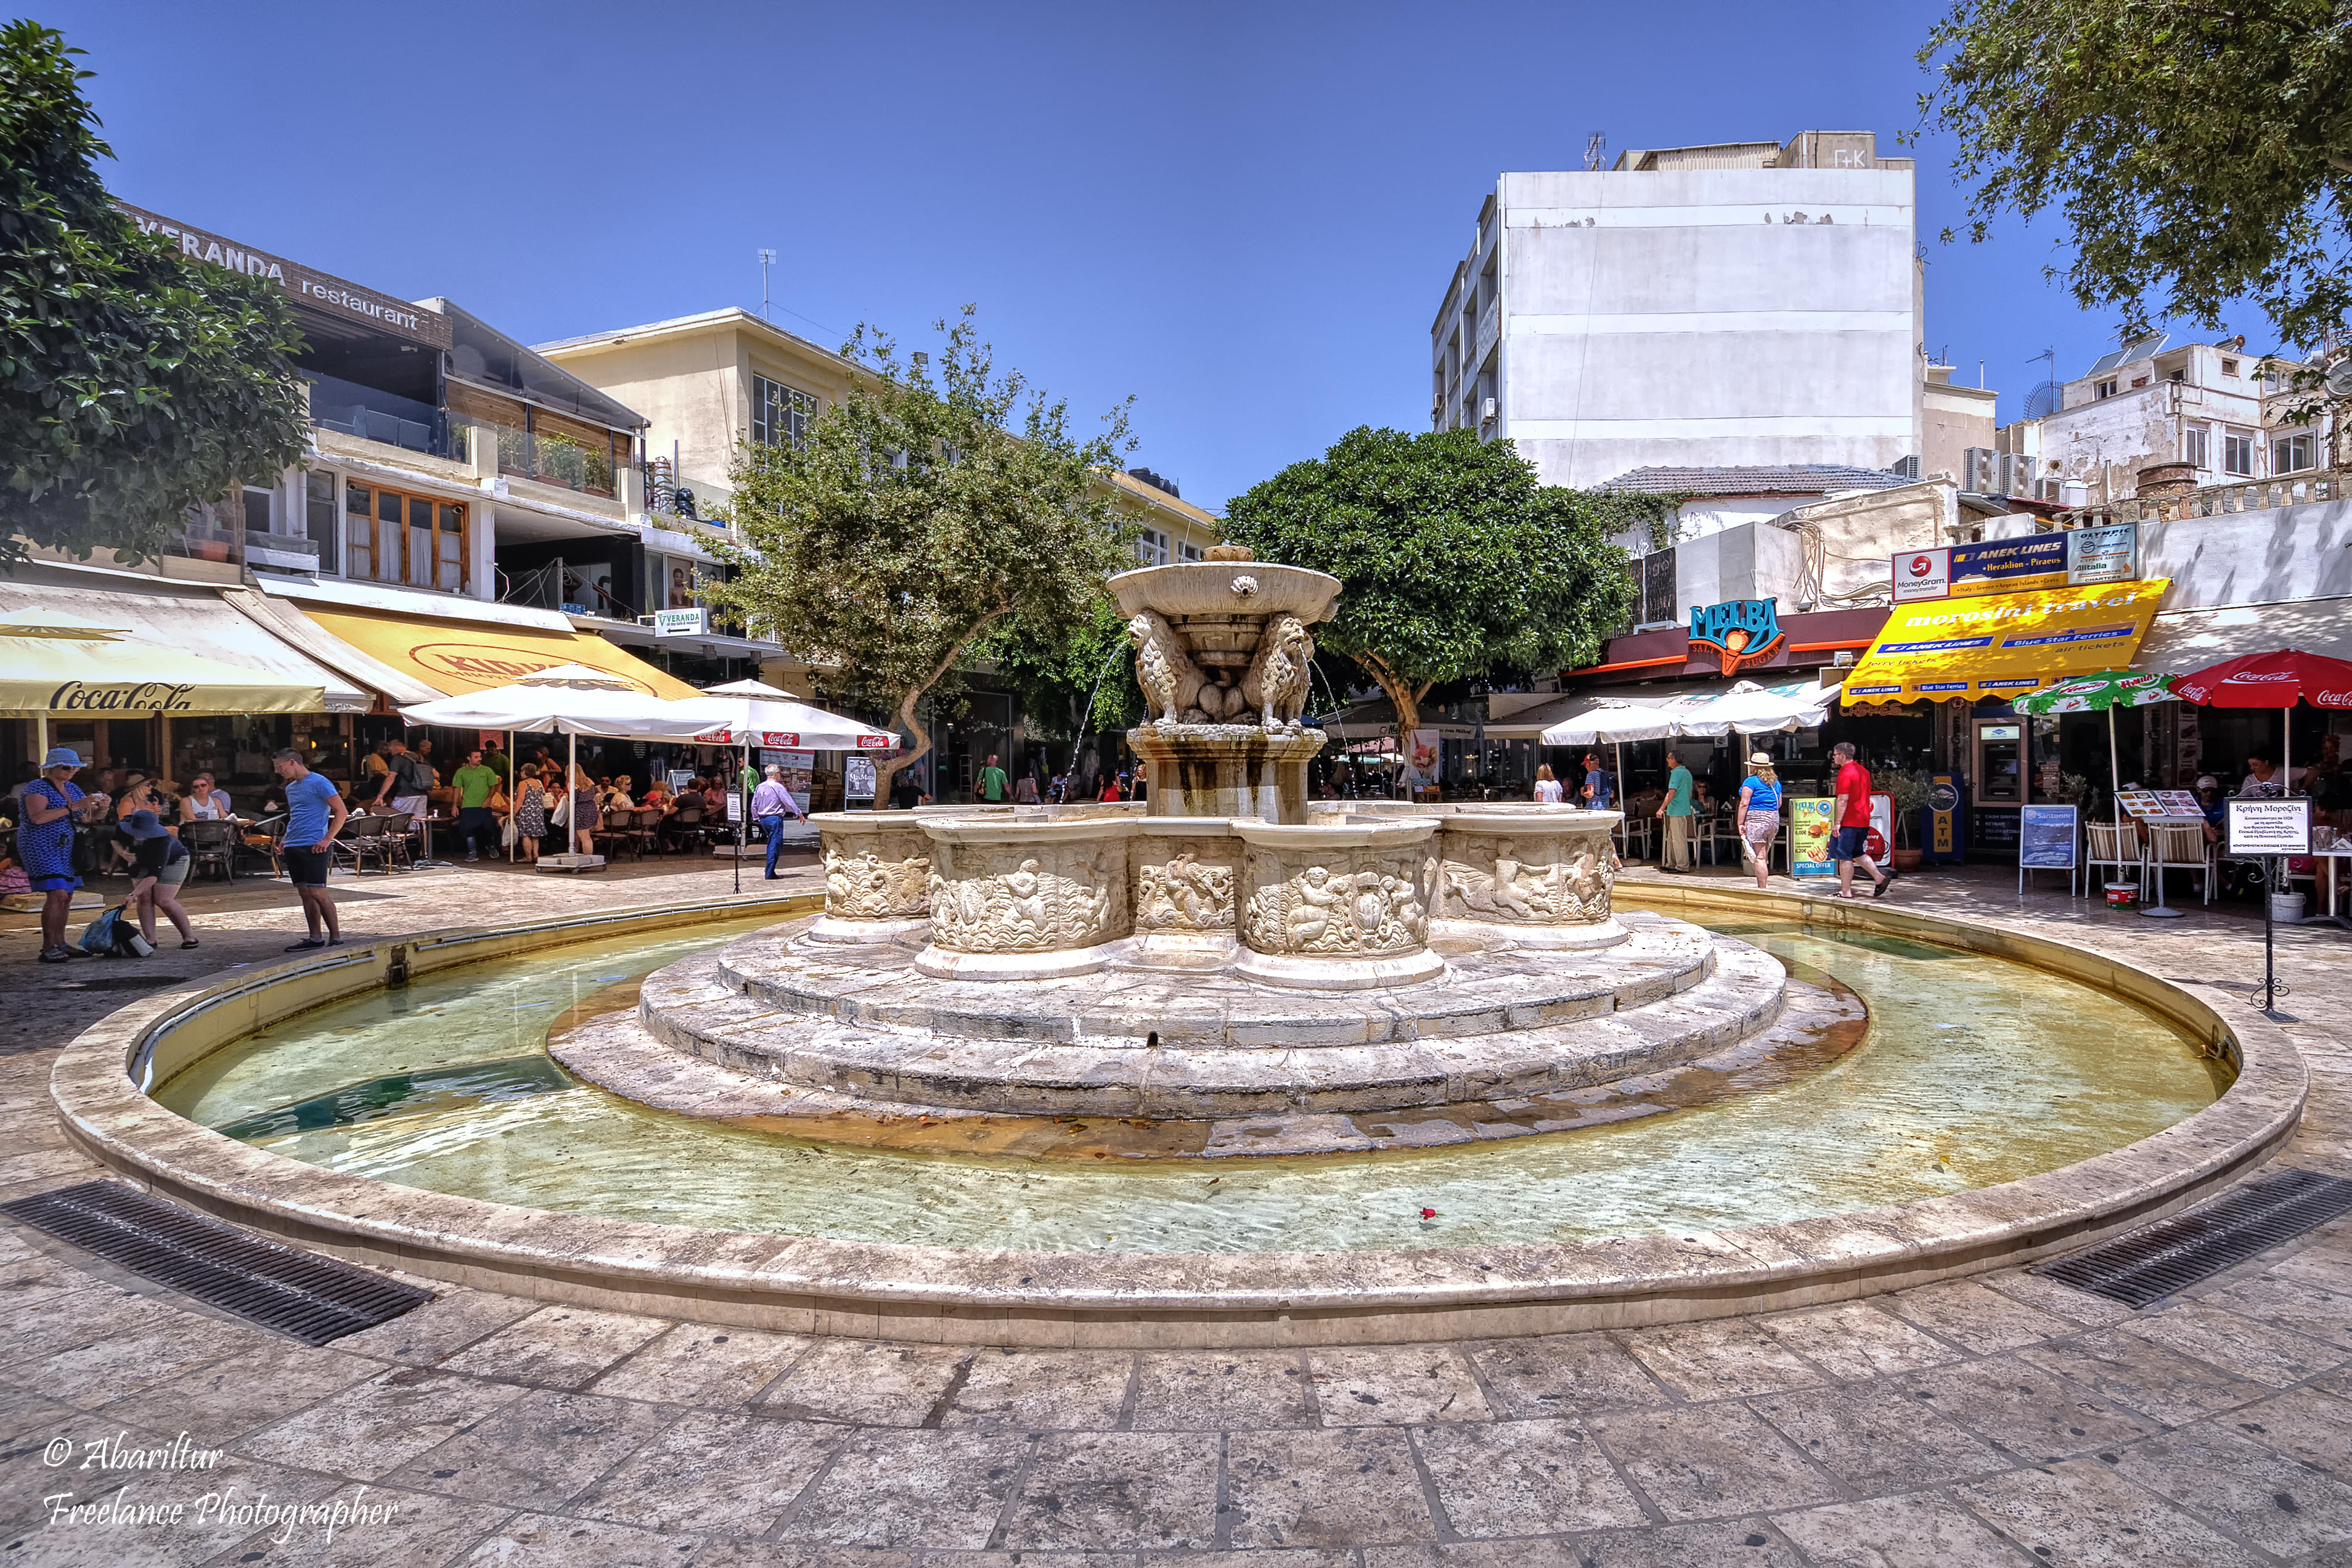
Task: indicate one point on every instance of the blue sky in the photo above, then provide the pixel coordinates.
(1243, 214)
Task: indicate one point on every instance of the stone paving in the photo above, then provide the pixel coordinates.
(2002, 1419)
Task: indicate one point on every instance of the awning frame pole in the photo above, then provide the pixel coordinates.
(572, 794)
(511, 797)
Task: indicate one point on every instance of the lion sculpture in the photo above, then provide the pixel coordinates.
(1172, 682)
(1277, 682)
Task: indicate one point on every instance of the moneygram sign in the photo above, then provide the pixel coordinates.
(318, 291)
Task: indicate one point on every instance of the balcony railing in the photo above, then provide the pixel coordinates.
(2215, 500)
(540, 456)
(375, 415)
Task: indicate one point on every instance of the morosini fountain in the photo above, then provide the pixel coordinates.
(1226, 1067)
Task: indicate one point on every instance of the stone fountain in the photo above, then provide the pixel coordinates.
(1225, 949)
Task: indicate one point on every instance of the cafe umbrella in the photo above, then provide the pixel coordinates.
(747, 712)
(2103, 693)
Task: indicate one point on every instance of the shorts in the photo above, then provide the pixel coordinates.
(306, 868)
(1850, 843)
(176, 873)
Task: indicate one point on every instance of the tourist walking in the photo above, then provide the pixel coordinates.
(1757, 818)
(1548, 790)
(531, 814)
(1850, 843)
(160, 864)
(45, 843)
(407, 782)
(993, 782)
(771, 803)
(315, 812)
(477, 822)
(1675, 811)
(1600, 790)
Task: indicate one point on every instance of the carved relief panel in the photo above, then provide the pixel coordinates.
(877, 876)
(1028, 897)
(1184, 884)
(1339, 902)
(1529, 878)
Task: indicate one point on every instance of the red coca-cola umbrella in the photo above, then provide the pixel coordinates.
(2280, 680)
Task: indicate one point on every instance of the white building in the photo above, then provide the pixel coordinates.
(1743, 304)
(2210, 413)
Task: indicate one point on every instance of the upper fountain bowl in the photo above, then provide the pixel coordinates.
(1228, 583)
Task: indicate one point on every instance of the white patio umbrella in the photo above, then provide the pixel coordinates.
(743, 711)
(1753, 709)
(571, 699)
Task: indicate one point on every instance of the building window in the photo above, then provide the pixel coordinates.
(2238, 454)
(2194, 446)
(1188, 553)
(319, 515)
(1152, 547)
(2291, 453)
(389, 537)
(2229, 367)
(2105, 389)
(779, 413)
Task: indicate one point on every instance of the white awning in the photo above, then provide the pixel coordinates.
(195, 618)
(2178, 641)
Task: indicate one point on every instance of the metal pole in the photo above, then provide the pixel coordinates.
(2270, 865)
(742, 812)
(571, 794)
(510, 794)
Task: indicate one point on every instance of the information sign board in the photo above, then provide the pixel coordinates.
(2108, 553)
(857, 778)
(2270, 826)
(2046, 837)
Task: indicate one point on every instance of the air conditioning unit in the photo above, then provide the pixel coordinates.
(1487, 412)
(1843, 658)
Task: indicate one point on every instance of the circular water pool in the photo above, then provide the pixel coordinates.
(1974, 1070)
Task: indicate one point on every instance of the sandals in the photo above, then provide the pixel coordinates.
(187, 944)
(56, 955)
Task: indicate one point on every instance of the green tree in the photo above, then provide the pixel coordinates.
(1057, 676)
(933, 503)
(2200, 154)
(133, 384)
(1454, 561)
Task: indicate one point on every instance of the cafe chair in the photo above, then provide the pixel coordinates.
(264, 841)
(616, 830)
(214, 844)
(648, 829)
(686, 828)
(2117, 847)
(2182, 849)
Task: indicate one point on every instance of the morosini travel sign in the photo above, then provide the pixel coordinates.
(321, 292)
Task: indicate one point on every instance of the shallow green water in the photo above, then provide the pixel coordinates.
(1975, 1071)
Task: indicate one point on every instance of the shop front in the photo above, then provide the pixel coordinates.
(1971, 658)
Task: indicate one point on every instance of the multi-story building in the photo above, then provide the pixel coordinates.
(2198, 414)
(1743, 304)
(467, 512)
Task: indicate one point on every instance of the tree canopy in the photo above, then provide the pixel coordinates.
(2198, 154)
(1456, 563)
(1082, 678)
(940, 500)
(133, 384)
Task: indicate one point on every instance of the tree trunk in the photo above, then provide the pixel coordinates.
(888, 768)
(1405, 699)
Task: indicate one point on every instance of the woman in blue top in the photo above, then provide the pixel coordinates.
(45, 842)
(1758, 819)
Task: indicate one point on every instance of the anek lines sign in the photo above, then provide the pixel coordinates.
(328, 295)
(1742, 632)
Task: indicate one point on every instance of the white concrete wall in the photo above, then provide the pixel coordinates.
(1710, 317)
(1747, 561)
(2252, 558)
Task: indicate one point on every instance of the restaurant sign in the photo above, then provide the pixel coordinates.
(1741, 632)
(327, 295)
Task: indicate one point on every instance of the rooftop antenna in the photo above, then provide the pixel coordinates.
(767, 259)
(1594, 146)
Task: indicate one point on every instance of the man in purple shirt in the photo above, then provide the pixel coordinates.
(771, 803)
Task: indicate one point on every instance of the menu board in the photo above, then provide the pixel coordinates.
(1810, 820)
(2160, 804)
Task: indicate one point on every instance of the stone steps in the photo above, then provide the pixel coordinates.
(1727, 994)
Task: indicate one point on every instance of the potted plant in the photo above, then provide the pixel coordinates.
(1909, 793)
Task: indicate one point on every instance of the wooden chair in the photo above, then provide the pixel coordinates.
(211, 843)
(685, 828)
(648, 829)
(270, 850)
(616, 830)
(2184, 849)
(2118, 847)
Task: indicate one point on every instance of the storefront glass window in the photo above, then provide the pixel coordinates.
(394, 538)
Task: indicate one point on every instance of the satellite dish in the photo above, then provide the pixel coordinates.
(2043, 400)
(2340, 379)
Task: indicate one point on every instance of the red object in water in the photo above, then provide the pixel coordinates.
(2280, 679)
(1429, 1214)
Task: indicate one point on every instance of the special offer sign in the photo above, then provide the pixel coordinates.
(1923, 575)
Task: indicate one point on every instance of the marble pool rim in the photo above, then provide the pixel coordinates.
(1109, 1299)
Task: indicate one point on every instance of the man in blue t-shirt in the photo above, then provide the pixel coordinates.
(314, 815)
(1600, 790)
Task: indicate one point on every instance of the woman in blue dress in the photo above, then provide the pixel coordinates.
(45, 843)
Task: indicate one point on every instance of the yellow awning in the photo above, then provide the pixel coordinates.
(2003, 645)
(49, 670)
(458, 656)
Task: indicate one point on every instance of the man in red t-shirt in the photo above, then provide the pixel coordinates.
(1850, 842)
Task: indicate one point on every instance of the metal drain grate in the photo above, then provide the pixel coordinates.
(300, 1294)
(2174, 1254)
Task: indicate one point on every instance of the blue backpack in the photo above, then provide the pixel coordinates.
(110, 936)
